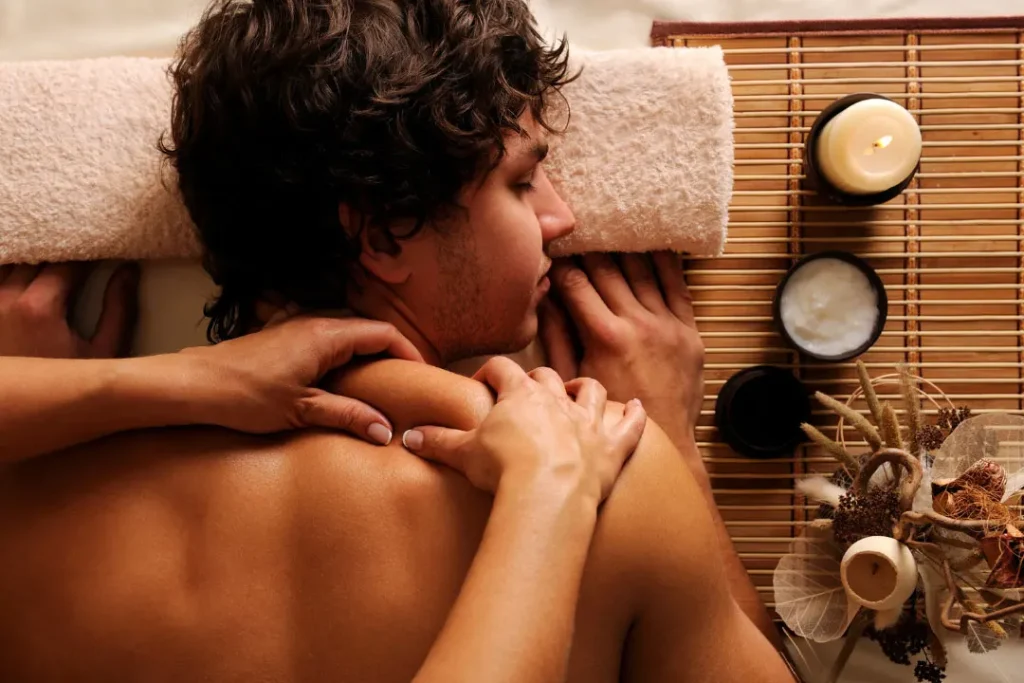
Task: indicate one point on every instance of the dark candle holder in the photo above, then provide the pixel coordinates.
(815, 180)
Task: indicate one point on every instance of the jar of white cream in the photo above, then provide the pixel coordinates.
(831, 306)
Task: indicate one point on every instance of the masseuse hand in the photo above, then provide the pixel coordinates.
(263, 382)
(266, 381)
(630, 325)
(540, 432)
(34, 305)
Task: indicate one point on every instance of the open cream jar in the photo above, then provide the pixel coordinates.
(831, 306)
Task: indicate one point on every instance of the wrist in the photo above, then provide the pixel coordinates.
(155, 391)
(542, 496)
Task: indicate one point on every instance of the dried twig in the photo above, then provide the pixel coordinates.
(910, 518)
(832, 448)
(909, 485)
(969, 611)
(891, 427)
(913, 408)
(938, 649)
(866, 429)
(968, 561)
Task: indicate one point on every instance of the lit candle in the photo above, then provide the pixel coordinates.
(869, 147)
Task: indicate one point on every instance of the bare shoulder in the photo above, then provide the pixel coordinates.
(413, 394)
(685, 625)
(654, 528)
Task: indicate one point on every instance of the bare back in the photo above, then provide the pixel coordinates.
(201, 554)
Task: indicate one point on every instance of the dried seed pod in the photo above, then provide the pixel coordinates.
(860, 423)
(912, 406)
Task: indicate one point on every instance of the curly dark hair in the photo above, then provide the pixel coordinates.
(283, 109)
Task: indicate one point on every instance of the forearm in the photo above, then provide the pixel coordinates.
(50, 404)
(513, 619)
(740, 585)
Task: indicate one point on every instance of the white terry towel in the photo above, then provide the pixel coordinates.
(646, 162)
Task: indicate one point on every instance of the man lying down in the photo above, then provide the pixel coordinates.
(386, 157)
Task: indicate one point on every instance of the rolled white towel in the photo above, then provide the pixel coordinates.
(646, 162)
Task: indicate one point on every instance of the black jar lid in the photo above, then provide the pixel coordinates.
(759, 412)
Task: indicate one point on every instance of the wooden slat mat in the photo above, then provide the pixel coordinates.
(949, 249)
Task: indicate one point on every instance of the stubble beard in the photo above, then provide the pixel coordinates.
(465, 327)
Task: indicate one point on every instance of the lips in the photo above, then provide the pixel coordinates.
(544, 275)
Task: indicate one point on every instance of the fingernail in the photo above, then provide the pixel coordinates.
(379, 433)
(636, 402)
(412, 439)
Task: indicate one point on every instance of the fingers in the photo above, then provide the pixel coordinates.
(439, 444)
(643, 282)
(501, 374)
(607, 279)
(20, 277)
(116, 325)
(324, 409)
(349, 337)
(549, 379)
(590, 394)
(556, 337)
(677, 295)
(586, 307)
(56, 283)
(630, 428)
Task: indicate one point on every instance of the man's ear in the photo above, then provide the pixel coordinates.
(378, 254)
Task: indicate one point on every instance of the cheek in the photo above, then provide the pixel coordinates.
(518, 248)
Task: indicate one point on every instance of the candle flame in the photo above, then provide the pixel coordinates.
(880, 143)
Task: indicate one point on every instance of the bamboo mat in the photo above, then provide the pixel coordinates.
(949, 249)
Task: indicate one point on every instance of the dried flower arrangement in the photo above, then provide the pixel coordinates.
(917, 539)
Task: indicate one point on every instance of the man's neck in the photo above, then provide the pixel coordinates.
(375, 300)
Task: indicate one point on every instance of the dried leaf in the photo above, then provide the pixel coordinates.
(923, 497)
(998, 436)
(1015, 489)
(809, 593)
(981, 638)
(1012, 624)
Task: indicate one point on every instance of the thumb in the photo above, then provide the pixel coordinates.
(116, 325)
(331, 411)
(438, 444)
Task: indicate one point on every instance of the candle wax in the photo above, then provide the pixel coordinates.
(869, 147)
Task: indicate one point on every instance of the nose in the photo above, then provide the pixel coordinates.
(554, 215)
